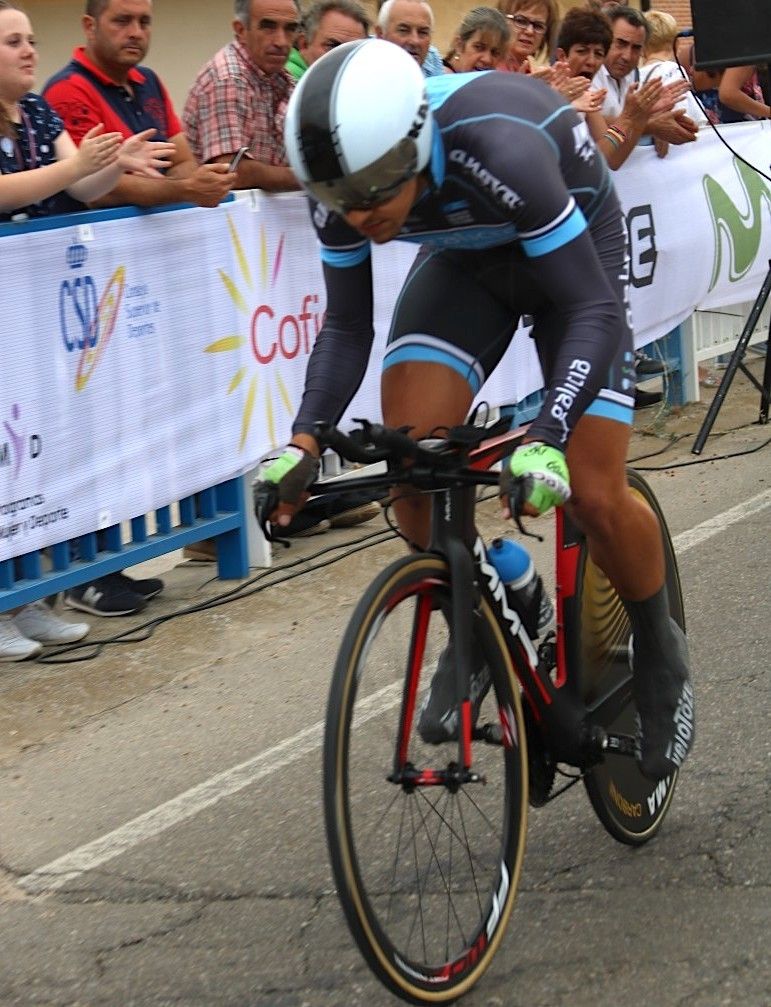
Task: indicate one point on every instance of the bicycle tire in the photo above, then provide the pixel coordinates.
(630, 806)
(404, 896)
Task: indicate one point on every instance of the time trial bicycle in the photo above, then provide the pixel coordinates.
(426, 841)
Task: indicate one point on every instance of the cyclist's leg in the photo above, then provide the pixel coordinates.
(435, 363)
(624, 540)
(448, 333)
(423, 396)
(622, 533)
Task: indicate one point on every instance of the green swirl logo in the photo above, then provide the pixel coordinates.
(739, 231)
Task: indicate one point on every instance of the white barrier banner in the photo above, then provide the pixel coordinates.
(699, 223)
(109, 409)
(146, 356)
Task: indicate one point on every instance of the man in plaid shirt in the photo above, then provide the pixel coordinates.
(239, 98)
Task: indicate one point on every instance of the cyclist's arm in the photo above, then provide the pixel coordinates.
(339, 358)
(588, 321)
(335, 370)
(580, 319)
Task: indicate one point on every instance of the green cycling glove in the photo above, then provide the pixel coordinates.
(291, 474)
(536, 474)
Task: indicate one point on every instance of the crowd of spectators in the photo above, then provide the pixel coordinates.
(104, 132)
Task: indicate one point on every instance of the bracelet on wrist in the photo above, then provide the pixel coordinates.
(614, 136)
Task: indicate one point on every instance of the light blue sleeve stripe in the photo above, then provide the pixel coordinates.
(610, 411)
(570, 228)
(345, 259)
(426, 354)
(444, 85)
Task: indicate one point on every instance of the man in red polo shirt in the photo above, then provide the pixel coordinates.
(105, 83)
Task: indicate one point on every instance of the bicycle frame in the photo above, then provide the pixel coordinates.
(555, 701)
(554, 698)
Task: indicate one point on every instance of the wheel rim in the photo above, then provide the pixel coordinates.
(429, 871)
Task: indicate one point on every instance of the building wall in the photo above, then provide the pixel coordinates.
(679, 9)
(186, 34)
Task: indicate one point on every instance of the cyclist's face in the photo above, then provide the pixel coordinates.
(383, 222)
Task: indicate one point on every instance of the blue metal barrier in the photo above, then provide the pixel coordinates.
(670, 350)
(525, 410)
(218, 512)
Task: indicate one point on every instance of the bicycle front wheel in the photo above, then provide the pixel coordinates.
(426, 871)
(628, 804)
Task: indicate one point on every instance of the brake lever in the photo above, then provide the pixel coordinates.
(518, 494)
(265, 498)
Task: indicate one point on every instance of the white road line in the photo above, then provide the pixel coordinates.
(695, 536)
(72, 865)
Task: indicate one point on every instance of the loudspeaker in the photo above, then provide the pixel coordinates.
(731, 34)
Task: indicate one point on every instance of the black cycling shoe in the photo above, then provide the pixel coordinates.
(438, 714)
(664, 699)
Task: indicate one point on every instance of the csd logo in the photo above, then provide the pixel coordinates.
(86, 320)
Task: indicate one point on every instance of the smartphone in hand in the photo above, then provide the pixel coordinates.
(237, 158)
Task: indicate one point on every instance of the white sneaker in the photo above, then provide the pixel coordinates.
(13, 645)
(38, 622)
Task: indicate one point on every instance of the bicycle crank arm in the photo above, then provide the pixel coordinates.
(598, 743)
(619, 744)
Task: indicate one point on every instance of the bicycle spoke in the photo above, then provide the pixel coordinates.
(447, 886)
(470, 862)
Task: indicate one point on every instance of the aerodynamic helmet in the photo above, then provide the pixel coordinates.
(358, 124)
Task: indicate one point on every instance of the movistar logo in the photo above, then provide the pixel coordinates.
(741, 231)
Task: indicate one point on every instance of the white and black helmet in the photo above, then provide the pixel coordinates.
(358, 124)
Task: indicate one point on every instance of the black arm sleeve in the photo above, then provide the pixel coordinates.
(578, 335)
(341, 352)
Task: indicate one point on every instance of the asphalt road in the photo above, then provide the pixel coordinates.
(161, 835)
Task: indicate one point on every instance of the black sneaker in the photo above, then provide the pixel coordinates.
(438, 714)
(105, 596)
(664, 699)
(646, 366)
(643, 399)
(148, 588)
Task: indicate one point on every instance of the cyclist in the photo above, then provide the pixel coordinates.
(500, 183)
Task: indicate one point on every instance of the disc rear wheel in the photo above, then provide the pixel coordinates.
(630, 806)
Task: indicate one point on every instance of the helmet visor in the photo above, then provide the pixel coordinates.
(378, 182)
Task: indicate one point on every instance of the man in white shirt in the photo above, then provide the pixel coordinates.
(619, 71)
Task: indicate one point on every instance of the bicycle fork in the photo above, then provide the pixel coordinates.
(452, 524)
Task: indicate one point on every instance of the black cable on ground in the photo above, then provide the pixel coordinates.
(89, 650)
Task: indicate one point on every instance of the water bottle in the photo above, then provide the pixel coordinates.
(524, 586)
